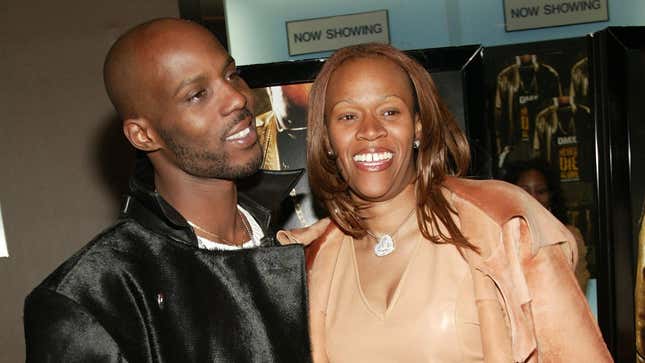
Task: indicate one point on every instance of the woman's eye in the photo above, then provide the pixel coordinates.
(389, 113)
(197, 96)
(346, 117)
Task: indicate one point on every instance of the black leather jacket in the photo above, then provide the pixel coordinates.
(142, 291)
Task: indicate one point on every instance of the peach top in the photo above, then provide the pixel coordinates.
(432, 315)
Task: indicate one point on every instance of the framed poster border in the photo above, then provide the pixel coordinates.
(617, 186)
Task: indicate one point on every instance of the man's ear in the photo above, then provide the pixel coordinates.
(141, 134)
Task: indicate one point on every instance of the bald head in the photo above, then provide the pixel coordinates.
(134, 61)
(182, 100)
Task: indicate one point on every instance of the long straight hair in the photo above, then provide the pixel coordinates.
(443, 150)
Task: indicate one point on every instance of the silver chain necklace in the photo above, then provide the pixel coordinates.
(385, 243)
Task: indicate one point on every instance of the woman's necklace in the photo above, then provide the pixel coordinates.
(385, 243)
(218, 238)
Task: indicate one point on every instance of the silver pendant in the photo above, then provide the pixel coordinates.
(385, 246)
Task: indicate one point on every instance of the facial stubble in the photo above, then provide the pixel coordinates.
(200, 161)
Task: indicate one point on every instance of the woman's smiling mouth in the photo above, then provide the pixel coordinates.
(373, 161)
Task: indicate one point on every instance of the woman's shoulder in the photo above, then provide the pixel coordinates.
(498, 199)
(504, 203)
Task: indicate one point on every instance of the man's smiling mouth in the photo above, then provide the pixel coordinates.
(239, 135)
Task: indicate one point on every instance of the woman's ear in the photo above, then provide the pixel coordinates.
(418, 127)
(141, 134)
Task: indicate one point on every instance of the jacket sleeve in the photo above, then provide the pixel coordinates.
(530, 256)
(57, 329)
(565, 328)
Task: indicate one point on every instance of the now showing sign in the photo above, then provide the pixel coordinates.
(330, 33)
(532, 14)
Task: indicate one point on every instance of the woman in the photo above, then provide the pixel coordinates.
(541, 182)
(417, 265)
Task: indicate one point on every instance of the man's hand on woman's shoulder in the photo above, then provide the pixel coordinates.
(304, 235)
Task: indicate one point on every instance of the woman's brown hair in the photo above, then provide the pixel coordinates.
(443, 150)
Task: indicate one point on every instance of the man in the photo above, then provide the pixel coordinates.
(282, 132)
(161, 284)
(523, 89)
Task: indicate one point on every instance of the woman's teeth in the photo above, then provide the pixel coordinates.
(370, 157)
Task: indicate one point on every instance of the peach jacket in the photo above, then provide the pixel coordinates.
(525, 266)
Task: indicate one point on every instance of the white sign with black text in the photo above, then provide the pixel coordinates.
(533, 14)
(330, 33)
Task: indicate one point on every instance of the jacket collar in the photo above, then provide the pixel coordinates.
(260, 194)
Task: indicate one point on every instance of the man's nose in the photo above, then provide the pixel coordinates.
(235, 99)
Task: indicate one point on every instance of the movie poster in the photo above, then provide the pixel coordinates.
(281, 123)
(540, 107)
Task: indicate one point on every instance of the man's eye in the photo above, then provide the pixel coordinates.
(233, 74)
(197, 96)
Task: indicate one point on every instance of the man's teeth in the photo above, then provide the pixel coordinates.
(239, 135)
(370, 157)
